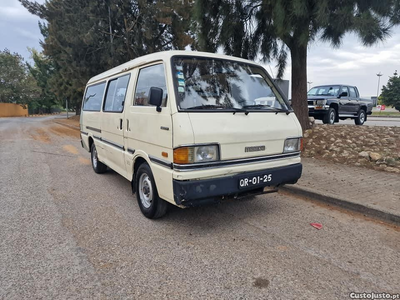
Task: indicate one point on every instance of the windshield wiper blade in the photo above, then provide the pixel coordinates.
(277, 109)
(206, 106)
(256, 106)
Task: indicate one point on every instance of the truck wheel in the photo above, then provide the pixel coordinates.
(97, 165)
(151, 205)
(330, 117)
(360, 119)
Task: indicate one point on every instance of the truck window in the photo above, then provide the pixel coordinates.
(153, 76)
(345, 90)
(116, 92)
(353, 93)
(93, 97)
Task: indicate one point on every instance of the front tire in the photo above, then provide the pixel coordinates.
(330, 117)
(97, 165)
(151, 205)
(360, 118)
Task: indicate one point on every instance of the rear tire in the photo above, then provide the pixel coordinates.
(360, 119)
(150, 204)
(330, 117)
(97, 165)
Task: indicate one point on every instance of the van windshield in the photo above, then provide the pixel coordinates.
(217, 84)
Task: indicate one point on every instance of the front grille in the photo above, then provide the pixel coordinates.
(310, 102)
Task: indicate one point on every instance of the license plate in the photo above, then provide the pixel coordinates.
(251, 181)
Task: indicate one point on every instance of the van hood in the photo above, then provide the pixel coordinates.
(265, 132)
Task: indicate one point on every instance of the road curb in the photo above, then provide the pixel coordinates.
(393, 117)
(343, 203)
(70, 126)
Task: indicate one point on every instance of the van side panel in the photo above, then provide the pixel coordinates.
(150, 135)
(183, 131)
(91, 124)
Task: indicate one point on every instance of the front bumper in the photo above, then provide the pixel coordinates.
(195, 192)
(318, 112)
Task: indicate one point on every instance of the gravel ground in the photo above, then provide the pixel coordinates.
(67, 232)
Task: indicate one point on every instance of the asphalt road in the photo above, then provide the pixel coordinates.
(68, 233)
(371, 121)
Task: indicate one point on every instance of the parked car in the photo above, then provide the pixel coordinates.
(331, 103)
(189, 128)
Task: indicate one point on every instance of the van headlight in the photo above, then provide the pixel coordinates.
(293, 145)
(196, 154)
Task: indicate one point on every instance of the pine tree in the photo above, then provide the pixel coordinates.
(85, 38)
(391, 92)
(274, 29)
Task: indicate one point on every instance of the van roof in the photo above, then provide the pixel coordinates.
(163, 55)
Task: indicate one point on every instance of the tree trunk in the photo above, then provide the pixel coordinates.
(299, 85)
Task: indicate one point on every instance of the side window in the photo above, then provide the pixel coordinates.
(116, 92)
(153, 76)
(93, 97)
(345, 90)
(353, 93)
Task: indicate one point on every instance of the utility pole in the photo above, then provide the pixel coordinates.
(66, 106)
(379, 81)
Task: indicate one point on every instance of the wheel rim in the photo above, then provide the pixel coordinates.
(332, 117)
(94, 158)
(362, 117)
(145, 190)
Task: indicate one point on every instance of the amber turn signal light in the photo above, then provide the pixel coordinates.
(181, 155)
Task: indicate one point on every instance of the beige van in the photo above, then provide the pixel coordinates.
(190, 128)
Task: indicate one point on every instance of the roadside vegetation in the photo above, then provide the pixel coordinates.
(391, 92)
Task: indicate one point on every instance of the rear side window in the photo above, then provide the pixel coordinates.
(116, 92)
(353, 93)
(94, 97)
(153, 76)
(345, 90)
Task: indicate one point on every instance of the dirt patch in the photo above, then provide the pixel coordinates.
(72, 121)
(41, 135)
(84, 161)
(261, 283)
(375, 148)
(64, 130)
(70, 149)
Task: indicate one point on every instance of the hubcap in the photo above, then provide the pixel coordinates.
(94, 158)
(362, 116)
(332, 117)
(145, 190)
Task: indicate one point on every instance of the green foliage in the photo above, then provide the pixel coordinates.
(270, 29)
(16, 83)
(391, 92)
(43, 71)
(85, 38)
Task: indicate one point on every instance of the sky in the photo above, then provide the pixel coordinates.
(350, 64)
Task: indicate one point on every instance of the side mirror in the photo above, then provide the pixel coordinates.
(155, 97)
(343, 94)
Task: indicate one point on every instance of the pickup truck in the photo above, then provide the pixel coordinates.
(331, 103)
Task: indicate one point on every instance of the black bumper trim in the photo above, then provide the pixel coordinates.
(192, 192)
(161, 162)
(93, 129)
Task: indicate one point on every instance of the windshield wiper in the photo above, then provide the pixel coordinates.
(269, 106)
(255, 106)
(206, 106)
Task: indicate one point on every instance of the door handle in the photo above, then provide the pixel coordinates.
(120, 124)
(127, 125)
